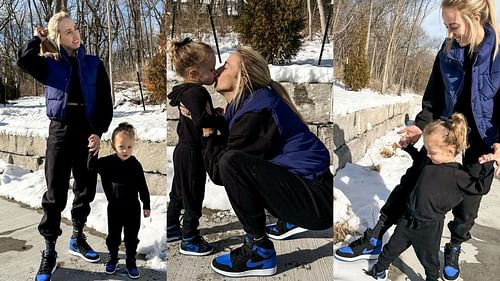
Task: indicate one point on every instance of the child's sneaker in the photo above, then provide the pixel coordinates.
(282, 230)
(195, 246)
(382, 275)
(366, 247)
(132, 271)
(78, 246)
(173, 233)
(451, 270)
(111, 266)
(251, 259)
(47, 267)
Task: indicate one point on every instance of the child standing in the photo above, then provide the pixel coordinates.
(122, 178)
(195, 63)
(442, 185)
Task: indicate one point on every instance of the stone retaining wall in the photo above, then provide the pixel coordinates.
(355, 132)
(29, 152)
(314, 101)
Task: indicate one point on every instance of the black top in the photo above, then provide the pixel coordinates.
(197, 100)
(441, 187)
(122, 181)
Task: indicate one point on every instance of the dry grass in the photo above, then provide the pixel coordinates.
(341, 230)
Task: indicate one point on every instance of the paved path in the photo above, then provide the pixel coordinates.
(20, 246)
(308, 256)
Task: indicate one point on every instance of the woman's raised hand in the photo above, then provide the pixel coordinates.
(411, 133)
(40, 32)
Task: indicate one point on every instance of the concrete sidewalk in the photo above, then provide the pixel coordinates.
(20, 246)
(306, 256)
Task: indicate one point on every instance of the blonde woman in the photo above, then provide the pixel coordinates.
(465, 79)
(269, 160)
(78, 101)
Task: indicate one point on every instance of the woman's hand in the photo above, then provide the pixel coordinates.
(94, 144)
(184, 111)
(495, 156)
(410, 134)
(208, 132)
(146, 213)
(40, 32)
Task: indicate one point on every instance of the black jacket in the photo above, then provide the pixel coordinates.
(122, 181)
(197, 100)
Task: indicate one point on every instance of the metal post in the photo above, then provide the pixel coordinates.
(140, 86)
(110, 54)
(325, 35)
(213, 30)
(173, 20)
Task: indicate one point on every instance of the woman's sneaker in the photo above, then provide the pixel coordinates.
(366, 247)
(173, 233)
(47, 267)
(254, 258)
(78, 246)
(451, 270)
(282, 230)
(195, 246)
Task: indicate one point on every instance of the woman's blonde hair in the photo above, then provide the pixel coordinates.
(187, 54)
(255, 74)
(467, 10)
(50, 47)
(454, 131)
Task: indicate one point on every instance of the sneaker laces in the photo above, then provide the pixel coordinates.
(451, 256)
(242, 252)
(45, 264)
(82, 243)
(364, 240)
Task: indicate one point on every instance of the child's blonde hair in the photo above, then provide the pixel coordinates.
(187, 54)
(124, 128)
(454, 131)
(467, 10)
(50, 47)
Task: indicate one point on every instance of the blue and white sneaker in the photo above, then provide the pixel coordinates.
(132, 271)
(173, 233)
(282, 230)
(47, 267)
(251, 259)
(451, 270)
(195, 246)
(365, 247)
(79, 247)
(111, 266)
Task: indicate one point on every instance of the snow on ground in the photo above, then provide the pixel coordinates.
(27, 117)
(302, 69)
(23, 186)
(345, 101)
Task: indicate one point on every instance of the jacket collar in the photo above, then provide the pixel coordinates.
(485, 49)
(80, 53)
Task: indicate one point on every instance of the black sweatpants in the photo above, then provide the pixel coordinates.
(188, 189)
(254, 184)
(128, 218)
(67, 152)
(425, 238)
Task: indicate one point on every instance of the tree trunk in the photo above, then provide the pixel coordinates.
(309, 18)
(322, 16)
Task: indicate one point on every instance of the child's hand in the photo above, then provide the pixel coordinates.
(94, 144)
(495, 156)
(208, 132)
(147, 213)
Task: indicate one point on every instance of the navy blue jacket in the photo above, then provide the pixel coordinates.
(446, 84)
(56, 76)
(264, 125)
